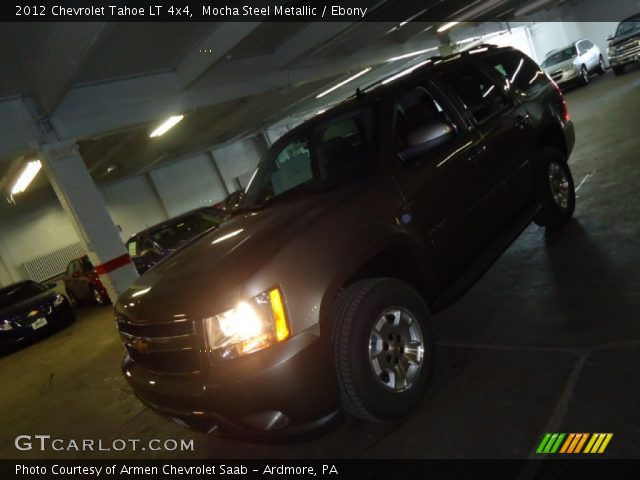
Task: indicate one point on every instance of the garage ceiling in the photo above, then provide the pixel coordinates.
(253, 75)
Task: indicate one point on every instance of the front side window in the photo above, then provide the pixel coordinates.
(421, 123)
(522, 72)
(479, 94)
(336, 151)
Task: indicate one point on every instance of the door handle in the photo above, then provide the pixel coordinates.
(475, 153)
(522, 121)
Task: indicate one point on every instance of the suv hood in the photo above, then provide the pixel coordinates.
(623, 38)
(206, 277)
(566, 65)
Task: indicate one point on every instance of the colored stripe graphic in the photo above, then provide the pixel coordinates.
(573, 443)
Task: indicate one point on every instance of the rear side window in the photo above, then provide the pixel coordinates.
(479, 94)
(522, 72)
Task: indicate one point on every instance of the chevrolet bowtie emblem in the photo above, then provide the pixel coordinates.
(33, 313)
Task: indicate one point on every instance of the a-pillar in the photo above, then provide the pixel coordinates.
(85, 206)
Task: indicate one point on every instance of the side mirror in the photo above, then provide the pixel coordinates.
(425, 138)
(609, 38)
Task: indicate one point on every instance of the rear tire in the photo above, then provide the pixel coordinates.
(72, 300)
(556, 190)
(383, 348)
(617, 70)
(97, 297)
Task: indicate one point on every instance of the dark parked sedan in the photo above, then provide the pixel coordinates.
(29, 309)
(159, 241)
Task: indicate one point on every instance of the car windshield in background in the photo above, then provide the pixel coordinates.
(19, 293)
(329, 154)
(171, 235)
(628, 26)
(559, 57)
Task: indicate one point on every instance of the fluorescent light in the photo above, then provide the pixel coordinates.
(344, 82)
(446, 26)
(412, 54)
(166, 125)
(404, 72)
(26, 177)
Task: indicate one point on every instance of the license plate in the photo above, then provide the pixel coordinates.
(39, 323)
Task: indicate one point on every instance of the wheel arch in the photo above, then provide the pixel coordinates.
(399, 260)
(553, 136)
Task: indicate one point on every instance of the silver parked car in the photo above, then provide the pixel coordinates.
(574, 63)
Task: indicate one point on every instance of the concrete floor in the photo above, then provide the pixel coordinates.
(547, 341)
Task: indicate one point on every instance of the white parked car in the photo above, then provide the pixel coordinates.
(574, 63)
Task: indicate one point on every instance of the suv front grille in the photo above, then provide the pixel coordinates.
(163, 348)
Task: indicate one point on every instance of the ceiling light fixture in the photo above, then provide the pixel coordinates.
(26, 177)
(344, 82)
(446, 26)
(166, 125)
(404, 72)
(412, 54)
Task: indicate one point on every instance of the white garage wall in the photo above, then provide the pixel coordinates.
(188, 184)
(31, 233)
(238, 160)
(547, 36)
(133, 204)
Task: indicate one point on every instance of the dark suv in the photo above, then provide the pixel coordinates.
(356, 228)
(624, 46)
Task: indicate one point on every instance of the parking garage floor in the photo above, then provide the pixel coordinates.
(547, 341)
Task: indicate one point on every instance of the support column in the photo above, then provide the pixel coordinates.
(84, 204)
(155, 191)
(446, 47)
(216, 168)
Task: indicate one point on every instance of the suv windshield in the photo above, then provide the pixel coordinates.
(327, 155)
(629, 26)
(559, 57)
(170, 235)
(18, 293)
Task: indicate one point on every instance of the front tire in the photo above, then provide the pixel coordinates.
(584, 75)
(383, 348)
(617, 70)
(555, 189)
(602, 68)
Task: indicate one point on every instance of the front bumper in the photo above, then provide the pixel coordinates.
(284, 390)
(629, 56)
(564, 77)
(15, 338)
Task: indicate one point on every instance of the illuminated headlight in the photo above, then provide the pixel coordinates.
(59, 300)
(248, 327)
(5, 326)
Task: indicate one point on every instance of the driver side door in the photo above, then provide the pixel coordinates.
(437, 176)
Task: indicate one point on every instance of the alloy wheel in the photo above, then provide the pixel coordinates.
(559, 184)
(396, 349)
